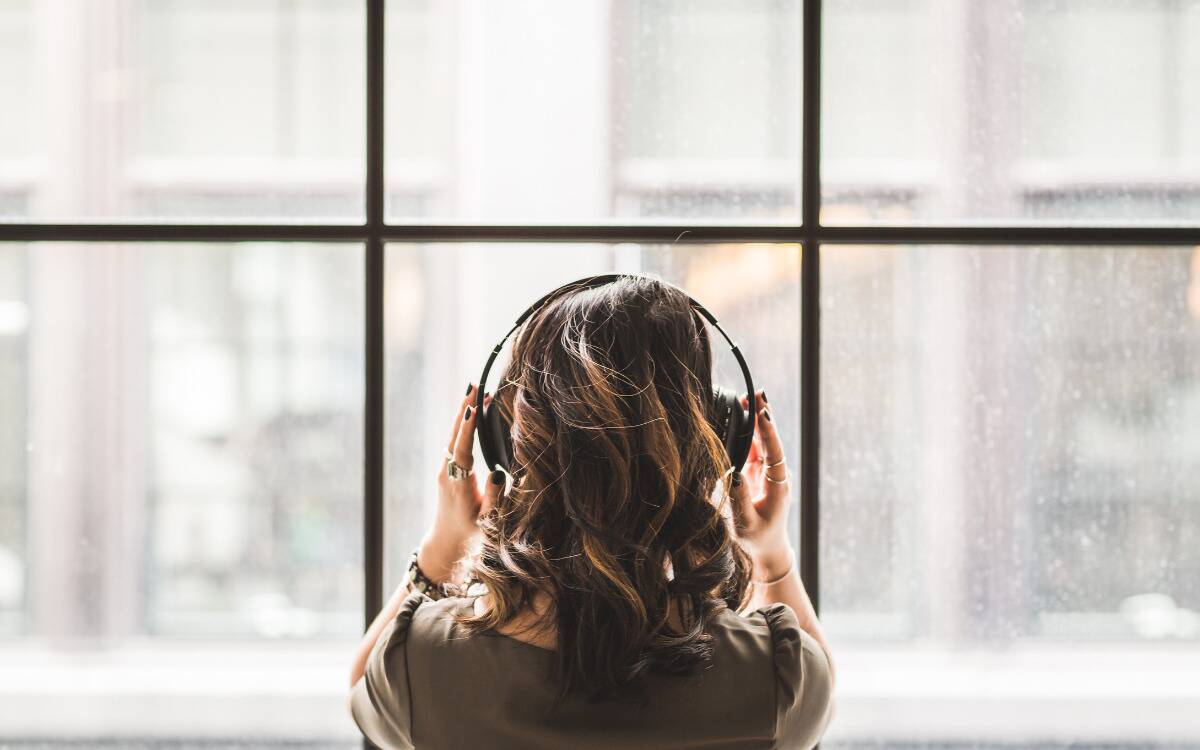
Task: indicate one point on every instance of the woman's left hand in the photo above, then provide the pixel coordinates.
(461, 502)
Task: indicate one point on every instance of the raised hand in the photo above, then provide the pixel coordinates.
(461, 502)
(762, 497)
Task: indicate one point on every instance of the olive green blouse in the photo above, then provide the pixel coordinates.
(429, 685)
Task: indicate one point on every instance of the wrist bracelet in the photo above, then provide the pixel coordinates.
(421, 582)
(791, 566)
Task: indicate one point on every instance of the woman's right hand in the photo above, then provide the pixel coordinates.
(760, 507)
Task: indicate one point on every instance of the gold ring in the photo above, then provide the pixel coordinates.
(787, 476)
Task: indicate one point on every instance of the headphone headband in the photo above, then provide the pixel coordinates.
(591, 282)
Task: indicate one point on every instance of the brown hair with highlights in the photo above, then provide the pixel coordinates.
(614, 510)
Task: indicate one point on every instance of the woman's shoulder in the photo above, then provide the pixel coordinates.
(434, 622)
(803, 677)
(776, 630)
(419, 617)
(424, 612)
(770, 628)
(437, 609)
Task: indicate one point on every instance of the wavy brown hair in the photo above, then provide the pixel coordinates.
(614, 511)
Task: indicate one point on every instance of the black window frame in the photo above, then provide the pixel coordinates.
(375, 232)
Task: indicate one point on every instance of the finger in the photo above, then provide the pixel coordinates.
(464, 448)
(754, 451)
(496, 484)
(771, 447)
(759, 403)
(458, 419)
(775, 493)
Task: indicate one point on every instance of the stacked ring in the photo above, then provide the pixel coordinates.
(767, 467)
(454, 471)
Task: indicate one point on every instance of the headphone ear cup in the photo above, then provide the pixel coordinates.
(733, 425)
(495, 439)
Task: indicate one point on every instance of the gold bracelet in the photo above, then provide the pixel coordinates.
(786, 573)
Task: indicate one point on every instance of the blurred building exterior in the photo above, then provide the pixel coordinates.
(1010, 472)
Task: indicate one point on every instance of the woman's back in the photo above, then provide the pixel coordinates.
(430, 685)
(617, 516)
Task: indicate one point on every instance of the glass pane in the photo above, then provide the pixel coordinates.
(1010, 494)
(14, 384)
(223, 109)
(180, 489)
(447, 307)
(542, 111)
(956, 110)
(17, 124)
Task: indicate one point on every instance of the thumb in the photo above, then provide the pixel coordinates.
(496, 483)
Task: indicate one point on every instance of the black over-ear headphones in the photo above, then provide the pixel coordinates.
(733, 424)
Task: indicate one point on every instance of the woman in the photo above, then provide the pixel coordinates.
(627, 588)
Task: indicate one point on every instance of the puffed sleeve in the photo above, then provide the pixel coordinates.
(380, 700)
(804, 681)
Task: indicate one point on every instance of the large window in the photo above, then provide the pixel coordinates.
(252, 250)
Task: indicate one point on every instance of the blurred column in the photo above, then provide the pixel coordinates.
(943, 307)
(79, 64)
(519, 62)
(998, 493)
(88, 403)
(87, 351)
(1002, 454)
(992, 66)
(60, 63)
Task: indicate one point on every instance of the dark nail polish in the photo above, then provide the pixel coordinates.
(737, 479)
(470, 387)
(764, 397)
(497, 477)
(767, 415)
(467, 414)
